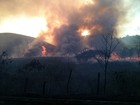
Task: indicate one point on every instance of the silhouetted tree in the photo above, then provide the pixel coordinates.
(98, 83)
(69, 78)
(4, 60)
(109, 44)
(34, 65)
(70, 68)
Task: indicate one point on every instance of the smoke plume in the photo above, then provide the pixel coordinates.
(64, 19)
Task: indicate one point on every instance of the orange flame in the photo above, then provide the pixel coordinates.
(132, 58)
(115, 56)
(44, 51)
(53, 22)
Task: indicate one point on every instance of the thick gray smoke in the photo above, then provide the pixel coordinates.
(100, 18)
(68, 40)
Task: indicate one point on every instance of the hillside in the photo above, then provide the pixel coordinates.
(10, 38)
(18, 45)
(131, 41)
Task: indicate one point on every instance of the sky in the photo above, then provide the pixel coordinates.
(33, 17)
(132, 26)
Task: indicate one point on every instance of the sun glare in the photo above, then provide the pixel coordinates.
(85, 33)
(24, 25)
(44, 51)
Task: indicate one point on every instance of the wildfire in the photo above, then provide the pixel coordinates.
(131, 58)
(115, 56)
(53, 22)
(44, 51)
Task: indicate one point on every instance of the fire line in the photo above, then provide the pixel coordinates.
(44, 52)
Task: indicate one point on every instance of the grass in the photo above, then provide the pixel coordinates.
(122, 79)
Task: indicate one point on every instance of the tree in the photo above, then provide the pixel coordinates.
(4, 60)
(33, 65)
(108, 45)
(69, 79)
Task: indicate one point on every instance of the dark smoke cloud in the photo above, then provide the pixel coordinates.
(105, 14)
(68, 40)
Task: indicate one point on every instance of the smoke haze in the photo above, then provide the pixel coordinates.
(65, 20)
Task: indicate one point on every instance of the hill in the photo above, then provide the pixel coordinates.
(131, 41)
(10, 38)
(18, 45)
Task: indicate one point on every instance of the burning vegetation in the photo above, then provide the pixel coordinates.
(44, 52)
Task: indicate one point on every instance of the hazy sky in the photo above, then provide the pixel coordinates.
(132, 27)
(31, 17)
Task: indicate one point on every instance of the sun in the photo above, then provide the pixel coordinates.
(85, 33)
